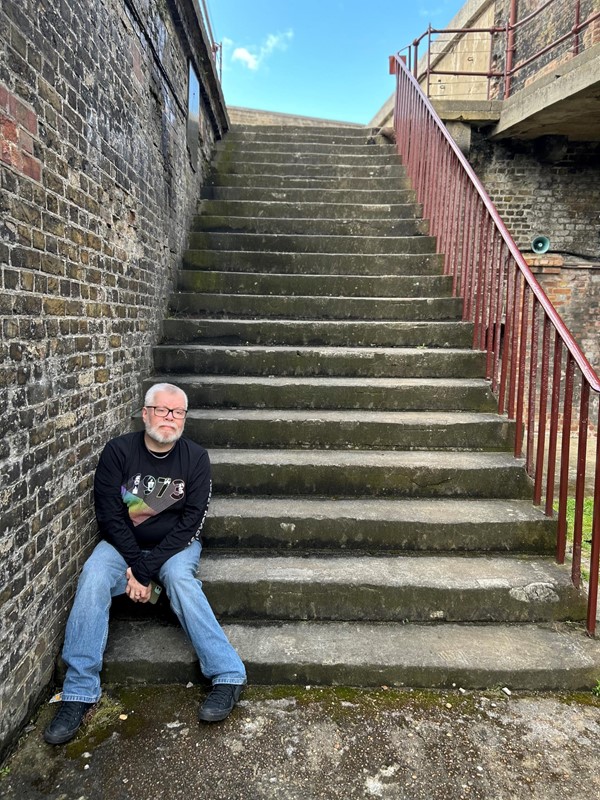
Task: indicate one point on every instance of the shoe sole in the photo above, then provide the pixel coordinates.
(50, 739)
(217, 718)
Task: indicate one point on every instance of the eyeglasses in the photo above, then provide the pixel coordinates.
(161, 411)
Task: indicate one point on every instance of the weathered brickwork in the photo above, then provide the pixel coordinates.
(97, 193)
(534, 35)
(551, 187)
(574, 290)
(546, 186)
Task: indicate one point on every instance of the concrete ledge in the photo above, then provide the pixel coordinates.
(563, 102)
(254, 116)
(528, 657)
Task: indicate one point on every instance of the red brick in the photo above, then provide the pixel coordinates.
(25, 116)
(8, 129)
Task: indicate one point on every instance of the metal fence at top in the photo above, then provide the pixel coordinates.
(479, 50)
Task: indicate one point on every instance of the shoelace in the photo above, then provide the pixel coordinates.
(220, 695)
(70, 713)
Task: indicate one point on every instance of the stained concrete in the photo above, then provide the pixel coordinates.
(297, 743)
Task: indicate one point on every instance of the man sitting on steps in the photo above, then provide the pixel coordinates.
(151, 494)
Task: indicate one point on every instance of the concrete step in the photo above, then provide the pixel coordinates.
(353, 156)
(355, 196)
(317, 333)
(417, 588)
(347, 182)
(238, 150)
(266, 167)
(295, 285)
(312, 132)
(307, 243)
(306, 307)
(377, 526)
(396, 394)
(309, 210)
(354, 362)
(475, 656)
(351, 430)
(320, 226)
(375, 473)
(315, 263)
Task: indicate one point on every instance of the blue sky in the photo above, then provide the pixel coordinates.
(320, 58)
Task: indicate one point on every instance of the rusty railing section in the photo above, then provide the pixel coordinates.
(504, 77)
(536, 369)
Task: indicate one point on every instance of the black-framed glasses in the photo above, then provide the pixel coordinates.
(162, 411)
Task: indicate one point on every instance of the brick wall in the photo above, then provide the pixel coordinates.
(574, 290)
(546, 186)
(532, 36)
(97, 192)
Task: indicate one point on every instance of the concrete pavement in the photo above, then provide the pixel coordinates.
(298, 743)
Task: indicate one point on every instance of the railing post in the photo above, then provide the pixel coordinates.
(563, 491)
(595, 549)
(584, 406)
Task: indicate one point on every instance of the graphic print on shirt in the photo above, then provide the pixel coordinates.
(146, 496)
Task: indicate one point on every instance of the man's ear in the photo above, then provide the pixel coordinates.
(144, 413)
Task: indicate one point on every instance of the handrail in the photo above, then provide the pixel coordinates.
(513, 318)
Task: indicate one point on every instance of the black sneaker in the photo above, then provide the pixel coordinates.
(66, 722)
(220, 702)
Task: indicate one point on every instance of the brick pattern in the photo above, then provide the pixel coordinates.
(97, 195)
(552, 187)
(574, 290)
(531, 37)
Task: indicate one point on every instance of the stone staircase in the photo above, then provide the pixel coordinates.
(369, 523)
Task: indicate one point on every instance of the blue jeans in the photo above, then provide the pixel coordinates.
(102, 578)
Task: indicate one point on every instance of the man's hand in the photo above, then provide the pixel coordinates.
(135, 590)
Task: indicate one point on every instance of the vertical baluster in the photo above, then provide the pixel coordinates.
(521, 379)
(541, 442)
(492, 299)
(458, 210)
(556, 365)
(471, 253)
(499, 343)
(515, 316)
(533, 370)
(563, 489)
(481, 261)
(465, 266)
(507, 346)
(421, 133)
(442, 199)
(595, 550)
(584, 406)
(485, 298)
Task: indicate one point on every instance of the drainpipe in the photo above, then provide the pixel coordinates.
(510, 46)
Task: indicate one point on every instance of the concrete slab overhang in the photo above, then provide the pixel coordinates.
(566, 102)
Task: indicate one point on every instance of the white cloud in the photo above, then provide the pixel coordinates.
(246, 57)
(253, 57)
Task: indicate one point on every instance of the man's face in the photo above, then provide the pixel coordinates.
(165, 430)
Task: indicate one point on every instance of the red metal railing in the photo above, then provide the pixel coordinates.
(517, 326)
(509, 31)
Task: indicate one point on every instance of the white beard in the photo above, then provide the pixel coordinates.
(162, 437)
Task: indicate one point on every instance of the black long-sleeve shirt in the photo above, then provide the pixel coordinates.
(149, 503)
